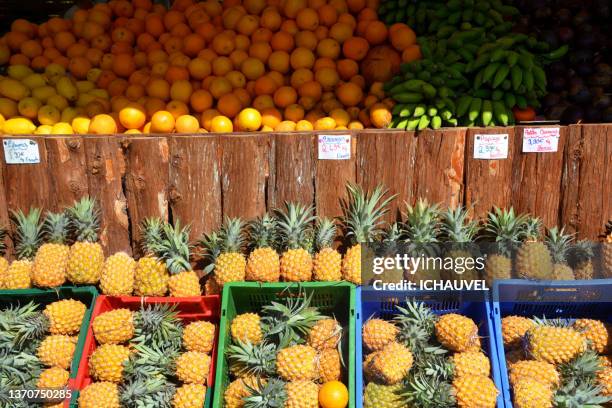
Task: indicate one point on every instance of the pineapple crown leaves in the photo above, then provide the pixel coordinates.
(247, 359)
(21, 326)
(457, 226)
(427, 392)
(84, 220)
(363, 212)
(262, 232)
(325, 233)
(19, 368)
(506, 229)
(56, 227)
(174, 248)
(28, 233)
(422, 222)
(434, 362)
(158, 324)
(232, 235)
(146, 392)
(533, 227)
(212, 249)
(3, 233)
(295, 225)
(151, 232)
(269, 394)
(152, 361)
(582, 251)
(558, 244)
(416, 324)
(575, 394)
(544, 321)
(582, 369)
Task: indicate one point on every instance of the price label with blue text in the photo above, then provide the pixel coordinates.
(541, 140)
(334, 147)
(491, 147)
(21, 151)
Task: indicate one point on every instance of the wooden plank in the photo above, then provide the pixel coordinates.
(4, 215)
(195, 182)
(388, 158)
(487, 182)
(66, 156)
(536, 180)
(146, 182)
(439, 166)
(105, 170)
(331, 177)
(292, 169)
(244, 174)
(570, 188)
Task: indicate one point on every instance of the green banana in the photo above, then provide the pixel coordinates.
(509, 100)
(487, 112)
(501, 114)
(528, 80)
(419, 110)
(475, 107)
(489, 71)
(516, 73)
(501, 75)
(408, 97)
(436, 122)
(412, 124)
(463, 104)
(423, 122)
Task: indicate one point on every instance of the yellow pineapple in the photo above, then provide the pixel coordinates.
(533, 259)
(530, 393)
(295, 231)
(559, 244)
(65, 316)
(246, 327)
(114, 327)
(99, 395)
(582, 254)
(199, 336)
(297, 363)
(239, 389)
(263, 264)
(56, 351)
(27, 239)
(471, 363)
(606, 252)
(604, 380)
(211, 287)
(377, 333)
(53, 377)
(554, 345)
(330, 365)
(51, 261)
(475, 391)
(598, 333)
(189, 396)
(302, 394)
(327, 261)
(459, 232)
(4, 264)
(325, 334)
(192, 367)
(107, 361)
(150, 276)
(457, 333)
(86, 256)
(514, 329)
(390, 365)
(118, 275)
(422, 228)
(362, 221)
(540, 371)
(224, 252)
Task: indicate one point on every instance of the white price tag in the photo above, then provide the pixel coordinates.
(491, 147)
(334, 147)
(21, 151)
(541, 140)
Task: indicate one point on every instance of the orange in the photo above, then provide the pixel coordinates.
(304, 126)
(402, 36)
(39, 63)
(176, 73)
(132, 116)
(117, 87)
(201, 100)
(207, 117)
(306, 39)
(123, 65)
(223, 44)
(355, 48)
(187, 124)
(411, 53)
(328, 48)
(14, 39)
(294, 113)
(293, 7)
(76, 50)
(262, 102)
(348, 19)
(252, 68)
(247, 24)
(261, 51)
(341, 32)
(220, 87)
(270, 19)
(19, 59)
(102, 124)
(277, 77)
(301, 76)
(154, 25)
(380, 116)
(285, 96)
(254, 6)
(162, 122)
(180, 30)
(285, 126)
(328, 78)
(249, 119)
(358, 80)
(311, 89)
(122, 34)
(324, 62)
(79, 66)
(349, 94)
(23, 26)
(347, 68)
(279, 61)
(80, 125)
(321, 32)
(328, 15)
(158, 88)
(282, 41)
(172, 18)
(199, 68)
(325, 123)
(237, 57)
(243, 95)
(237, 79)
(177, 108)
(159, 69)
(231, 16)
(181, 90)
(302, 58)
(221, 124)
(307, 19)
(229, 105)
(270, 117)
(193, 44)
(340, 116)
(241, 42)
(376, 32)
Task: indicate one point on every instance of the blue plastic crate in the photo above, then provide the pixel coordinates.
(382, 304)
(552, 299)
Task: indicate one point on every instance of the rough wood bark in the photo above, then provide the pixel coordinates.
(439, 164)
(487, 182)
(536, 180)
(66, 156)
(146, 182)
(244, 174)
(105, 170)
(572, 157)
(195, 183)
(4, 215)
(292, 169)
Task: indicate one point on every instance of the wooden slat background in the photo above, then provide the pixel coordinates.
(202, 178)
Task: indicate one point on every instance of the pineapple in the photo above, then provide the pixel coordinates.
(390, 246)
(325, 334)
(150, 276)
(56, 351)
(238, 390)
(377, 333)
(263, 264)
(224, 251)
(533, 260)
(598, 333)
(459, 232)
(99, 395)
(86, 256)
(157, 324)
(530, 393)
(416, 323)
(457, 333)
(192, 367)
(554, 345)
(514, 329)
(473, 391)
(107, 361)
(330, 365)
(297, 363)
(559, 244)
(582, 260)
(51, 261)
(604, 380)
(146, 391)
(302, 394)
(114, 327)
(276, 393)
(295, 232)
(199, 336)
(247, 360)
(4, 264)
(422, 230)
(470, 363)
(65, 316)
(362, 220)
(539, 371)
(506, 230)
(189, 396)
(606, 253)
(383, 396)
(53, 377)
(246, 327)
(390, 365)
(118, 275)
(27, 240)
(327, 262)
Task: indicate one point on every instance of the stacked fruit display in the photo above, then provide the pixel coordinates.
(558, 362)
(288, 355)
(419, 359)
(148, 358)
(474, 71)
(201, 66)
(37, 348)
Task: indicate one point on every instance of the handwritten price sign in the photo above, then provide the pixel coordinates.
(334, 147)
(21, 151)
(491, 147)
(541, 140)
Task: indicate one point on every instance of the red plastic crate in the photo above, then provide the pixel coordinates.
(189, 309)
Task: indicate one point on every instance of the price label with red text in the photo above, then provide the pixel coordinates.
(540, 140)
(334, 147)
(490, 147)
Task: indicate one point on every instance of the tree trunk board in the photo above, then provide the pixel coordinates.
(388, 158)
(146, 182)
(330, 180)
(487, 182)
(536, 180)
(439, 166)
(195, 182)
(66, 156)
(105, 172)
(292, 169)
(244, 174)
(4, 216)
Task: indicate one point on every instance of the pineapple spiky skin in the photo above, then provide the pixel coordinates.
(457, 333)
(230, 267)
(382, 396)
(475, 391)
(325, 334)
(559, 244)
(99, 395)
(582, 254)
(330, 365)
(351, 265)
(540, 371)
(150, 277)
(28, 235)
(114, 327)
(497, 267)
(237, 390)
(192, 367)
(422, 230)
(86, 257)
(296, 265)
(391, 364)
(199, 336)
(51, 261)
(514, 329)
(184, 284)
(65, 316)
(377, 333)
(471, 363)
(53, 377)
(533, 259)
(606, 253)
(117, 278)
(598, 333)
(295, 232)
(506, 230)
(263, 264)
(189, 396)
(604, 380)
(459, 231)
(224, 251)
(247, 327)
(327, 261)
(4, 265)
(107, 361)
(529, 393)
(297, 363)
(302, 394)
(555, 345)
(56, 351)
(18, 275)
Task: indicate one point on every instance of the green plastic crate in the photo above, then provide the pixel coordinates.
(334, 298)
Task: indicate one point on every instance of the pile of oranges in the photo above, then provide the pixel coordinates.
(237, 65)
